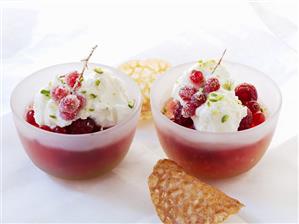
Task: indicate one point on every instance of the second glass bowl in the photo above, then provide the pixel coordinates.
(210, 154)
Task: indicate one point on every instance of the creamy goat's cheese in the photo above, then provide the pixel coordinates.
(106, 100)
(222, 111)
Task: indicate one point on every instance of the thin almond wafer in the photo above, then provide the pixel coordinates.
(145, 72)
(181, 198)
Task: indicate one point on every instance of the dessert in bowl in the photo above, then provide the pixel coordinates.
(76, 126)
(215, 120)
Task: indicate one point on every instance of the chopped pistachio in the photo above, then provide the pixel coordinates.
(45, 92)
(98, 70)
(97, 82)
(83, 92)
(91, 109)
(228, 85)
(53, 116)
(131, 103)
(213, 97)
(164, 110)
(209, 103)
(92, 96)
(224, 118)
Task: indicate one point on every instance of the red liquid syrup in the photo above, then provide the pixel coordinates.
(203, 161)
(77, 164)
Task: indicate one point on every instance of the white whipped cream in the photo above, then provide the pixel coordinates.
(107, 101)
(223, 115)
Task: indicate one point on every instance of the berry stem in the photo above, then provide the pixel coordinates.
(219, 61)
(85, 62)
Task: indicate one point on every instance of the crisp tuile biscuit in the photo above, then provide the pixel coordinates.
(145, 72)
(183, 199)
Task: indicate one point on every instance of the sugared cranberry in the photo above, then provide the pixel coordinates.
(253, 106)
(187, 92)
(197, 78)
(69, 106)
(179, 119)
(211, 85)
(81, 126)
(188, 109)
(246, 121)
(58, 129)
(72, 78)
(30, 118)
(246, 92)
(58, 93)
(68, 116)
(46, 128)
(258, 118)
(198, 99)
(170, 108)
(82, 100)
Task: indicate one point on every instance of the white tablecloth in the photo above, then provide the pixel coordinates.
(260, 35)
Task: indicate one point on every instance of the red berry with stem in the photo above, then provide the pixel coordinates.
(71, 79)
(187, 92)
(253, 106)
(30, 117)
(197, 78)
(246, 122)
(198, 99)
(59, 92)
(211, 85)
(258, 118)
(81, 126)
(246, 92)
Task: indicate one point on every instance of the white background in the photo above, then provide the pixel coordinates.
(261, 34)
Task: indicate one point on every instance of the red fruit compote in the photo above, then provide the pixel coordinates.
(76, 129)
(213, 123)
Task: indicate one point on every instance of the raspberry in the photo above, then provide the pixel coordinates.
(71, 79)
(81, 126)
(197, 78)
(253, 106)
(30, 118)
(58, 129)
(179, 119)
(258, 118)
(58, 93)
(189, 110)
(246, 92)
(246, 121)
(198, 99)
(211, 85)
(187, 92)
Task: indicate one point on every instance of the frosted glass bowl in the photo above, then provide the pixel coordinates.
(73, 156)
(216, 155)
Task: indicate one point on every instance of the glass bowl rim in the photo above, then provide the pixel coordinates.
(138, 102)
(154, 105)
